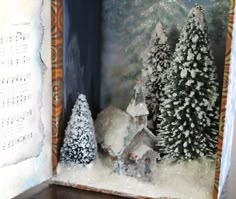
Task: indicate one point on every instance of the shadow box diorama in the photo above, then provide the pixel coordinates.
(142, 89)
(127, 97)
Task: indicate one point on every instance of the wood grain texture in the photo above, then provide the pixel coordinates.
(57, 75)
(60, 192)
(115, 193)
(224, 98)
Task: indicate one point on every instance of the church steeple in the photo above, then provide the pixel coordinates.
(137, 107)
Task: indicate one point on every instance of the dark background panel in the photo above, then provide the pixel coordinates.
(106, 41)
(81, 53)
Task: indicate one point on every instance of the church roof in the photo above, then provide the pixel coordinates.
(115, 132)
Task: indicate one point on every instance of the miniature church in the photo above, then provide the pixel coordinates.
(130, 146)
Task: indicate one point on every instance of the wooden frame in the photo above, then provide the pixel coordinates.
(57, 75)
(224, 96)
(57, 87)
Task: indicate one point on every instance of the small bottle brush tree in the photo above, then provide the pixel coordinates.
(189, 128)
(154, 75)
(79, 145)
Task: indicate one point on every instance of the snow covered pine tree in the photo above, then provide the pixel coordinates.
(190, 114)
(79, 145)
(154, 75)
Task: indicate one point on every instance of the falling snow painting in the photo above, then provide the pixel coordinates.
(128, 27)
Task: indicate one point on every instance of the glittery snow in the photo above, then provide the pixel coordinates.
(189, 179)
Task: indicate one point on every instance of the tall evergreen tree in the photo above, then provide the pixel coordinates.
(154, 75)
(190, 113)
(79, 145)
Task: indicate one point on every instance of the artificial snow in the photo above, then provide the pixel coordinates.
(141, 149)
(186, 133)
(160, 33)
(199, 17)
(199, 85)
(193, 73)
(204, 49)
(195, 39)
(185, 144)
(199, 57)
(189, 82)
(201, 114)
(185, 180)
(190, 55)
(112, 124)
(192, 94)
(183, 73)
(206, 102)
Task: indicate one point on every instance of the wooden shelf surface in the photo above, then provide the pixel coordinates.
(46, 191)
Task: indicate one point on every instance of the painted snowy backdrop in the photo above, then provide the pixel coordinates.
(127, 29)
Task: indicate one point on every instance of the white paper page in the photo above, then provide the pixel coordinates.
(20, 126)
(25, 95)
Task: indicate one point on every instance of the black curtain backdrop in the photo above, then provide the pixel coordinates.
(82, 22)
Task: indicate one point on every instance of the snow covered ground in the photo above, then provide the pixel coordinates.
(185, 180)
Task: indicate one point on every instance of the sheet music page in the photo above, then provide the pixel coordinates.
(25, 95)
(20, 81)
(19, 124)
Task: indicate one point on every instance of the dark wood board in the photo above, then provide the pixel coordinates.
(60, 192)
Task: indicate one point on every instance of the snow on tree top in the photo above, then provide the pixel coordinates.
(82, 97)
(197, 13)
(159, 31)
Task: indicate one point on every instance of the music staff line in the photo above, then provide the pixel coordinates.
(6, 122)
(14, 141)
(15, 62)
(18, 37)
(15, 101)
(15, 79)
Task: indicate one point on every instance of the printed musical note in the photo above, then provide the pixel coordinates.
(15, 101)
(17, 37)
(14, 141)
(15, 62)
(3, 40)
(15, 79)
(15, 118)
